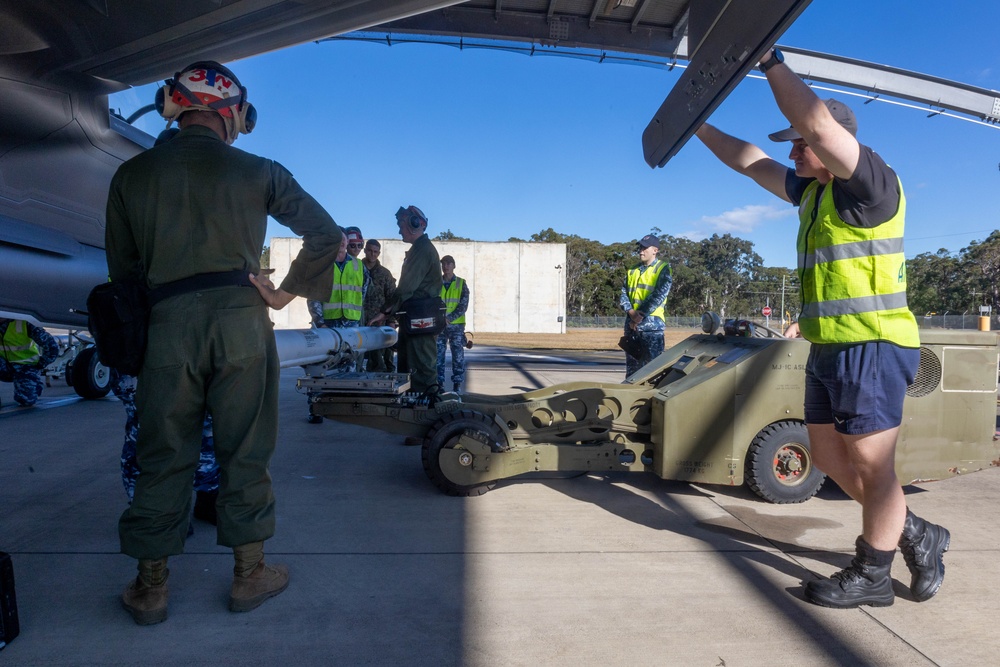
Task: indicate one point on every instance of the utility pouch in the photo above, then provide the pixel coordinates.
(118, 318)
(422, 317)
(633, 346)
(118, 313)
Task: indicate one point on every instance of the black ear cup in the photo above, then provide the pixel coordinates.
(158, 100)
(415, 221)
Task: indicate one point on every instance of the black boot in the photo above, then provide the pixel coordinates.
(204, 506)
(923, 545)
(866, 581)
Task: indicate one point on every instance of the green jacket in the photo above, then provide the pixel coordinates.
(420, 276)
(197, 205)
(380, 291)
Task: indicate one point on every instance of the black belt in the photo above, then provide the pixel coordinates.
(202, 281)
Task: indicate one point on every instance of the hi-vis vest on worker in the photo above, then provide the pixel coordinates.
(642, 281)
(346, 299)
(852, 279)
(451, 295)
(18, 348)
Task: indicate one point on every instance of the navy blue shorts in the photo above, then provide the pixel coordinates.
(858, 387)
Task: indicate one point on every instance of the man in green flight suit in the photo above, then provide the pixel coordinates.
(420, 278)
(189, 217)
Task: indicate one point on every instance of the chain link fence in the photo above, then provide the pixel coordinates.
(955, 321)
(946, 321)
(619, 322)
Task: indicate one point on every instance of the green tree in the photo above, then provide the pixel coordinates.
(448, 235)
(265, 257)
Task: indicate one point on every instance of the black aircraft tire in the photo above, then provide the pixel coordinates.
(779, 467)
(444, 434)
(91, 378)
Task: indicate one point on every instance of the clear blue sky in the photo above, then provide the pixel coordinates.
(492, 145)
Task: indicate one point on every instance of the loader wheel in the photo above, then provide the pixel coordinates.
(91, 378)
(445, 434)
(779, 467)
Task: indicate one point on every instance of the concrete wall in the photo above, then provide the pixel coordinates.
(514, 287)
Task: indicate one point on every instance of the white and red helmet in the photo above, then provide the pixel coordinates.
(208, 86)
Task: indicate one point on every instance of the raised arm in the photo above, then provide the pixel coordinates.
(833, 145)
(745, 158)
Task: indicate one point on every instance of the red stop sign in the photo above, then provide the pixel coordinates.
(766, 311)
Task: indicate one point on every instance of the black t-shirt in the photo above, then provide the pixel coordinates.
(866, 199)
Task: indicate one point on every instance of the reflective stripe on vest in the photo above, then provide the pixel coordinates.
(452, 296)
(641, 283)
(852, 279)
(346, 298)
(18, 348)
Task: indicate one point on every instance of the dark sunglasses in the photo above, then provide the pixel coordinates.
(355, 245)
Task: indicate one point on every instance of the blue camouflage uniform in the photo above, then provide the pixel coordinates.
(206, 475)
(454, 335)
(648, 334)
(25, 351)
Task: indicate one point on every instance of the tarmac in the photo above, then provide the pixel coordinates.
(583, 569)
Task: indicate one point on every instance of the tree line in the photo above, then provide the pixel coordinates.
(722, 273)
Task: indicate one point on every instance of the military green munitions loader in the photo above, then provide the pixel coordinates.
(717, 408)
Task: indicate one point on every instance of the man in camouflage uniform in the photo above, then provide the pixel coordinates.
(455, 294)
(381, 289)
(320, 311)
(25, 351)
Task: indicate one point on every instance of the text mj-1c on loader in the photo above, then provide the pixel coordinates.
(717, 408)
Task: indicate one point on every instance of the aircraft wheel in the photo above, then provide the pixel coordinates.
(91, 378)
(445, 434)
(779, 467)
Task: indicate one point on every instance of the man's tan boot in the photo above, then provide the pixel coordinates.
(253, 580)
(146, 596)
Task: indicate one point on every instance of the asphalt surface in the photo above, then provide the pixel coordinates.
(617, 569)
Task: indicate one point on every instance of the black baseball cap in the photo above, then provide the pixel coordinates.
(649, 241)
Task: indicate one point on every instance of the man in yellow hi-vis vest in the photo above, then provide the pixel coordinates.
(25, 351)
(643, 298)
(350, 283)
(455, 294)
(865, 344)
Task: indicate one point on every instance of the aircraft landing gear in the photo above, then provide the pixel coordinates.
(88, 376)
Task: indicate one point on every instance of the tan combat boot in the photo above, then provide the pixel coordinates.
(146, 596)
(253, 580)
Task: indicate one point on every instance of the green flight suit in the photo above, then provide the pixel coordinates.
(419, 278)
(190, 206)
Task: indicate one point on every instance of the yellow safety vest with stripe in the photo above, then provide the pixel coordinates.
(452, 295)
(346, 299)
(852, 279)
(18, 348)
(642, 281)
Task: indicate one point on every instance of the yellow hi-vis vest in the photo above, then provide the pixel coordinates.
(18, 348)
(345, 301)
(451, 295)
(852, 279)
(641, 281)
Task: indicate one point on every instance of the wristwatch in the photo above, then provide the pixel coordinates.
(777, 57)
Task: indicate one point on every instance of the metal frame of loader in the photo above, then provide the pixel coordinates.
(714, 409)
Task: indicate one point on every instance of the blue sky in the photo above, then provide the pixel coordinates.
(493, 144)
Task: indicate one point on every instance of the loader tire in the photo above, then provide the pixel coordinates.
(445, 434)
(779, 467)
